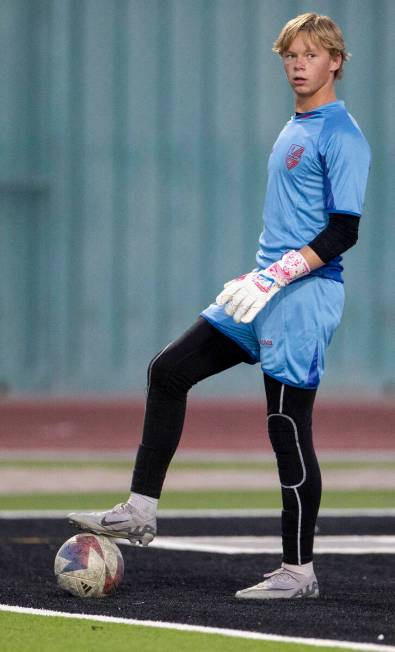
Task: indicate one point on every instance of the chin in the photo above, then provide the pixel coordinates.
(302, 93)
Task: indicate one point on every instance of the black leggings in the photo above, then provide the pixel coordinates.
(202, 352)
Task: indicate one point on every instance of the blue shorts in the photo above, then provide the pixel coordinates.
(290, 335)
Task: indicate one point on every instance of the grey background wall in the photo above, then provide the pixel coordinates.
(134, 140)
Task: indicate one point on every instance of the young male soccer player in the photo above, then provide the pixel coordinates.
(282, 314)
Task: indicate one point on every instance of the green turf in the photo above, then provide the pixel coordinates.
(28, 633)
(196, 500)
(185, 465)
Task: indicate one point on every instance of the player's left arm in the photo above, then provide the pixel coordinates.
(311, 258)
(339, 235)
(247, 295)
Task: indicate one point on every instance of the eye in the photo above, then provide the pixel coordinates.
(289, 56)
(311, 55)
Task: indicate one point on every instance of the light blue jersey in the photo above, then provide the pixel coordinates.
(319, 165)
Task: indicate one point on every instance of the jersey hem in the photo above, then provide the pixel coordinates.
(288, 382)
(216, 325)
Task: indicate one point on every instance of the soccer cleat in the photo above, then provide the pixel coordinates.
(122, 521)
(282, 583)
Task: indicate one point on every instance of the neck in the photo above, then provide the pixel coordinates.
(304, 104)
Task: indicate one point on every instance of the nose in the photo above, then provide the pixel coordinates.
(299, 63)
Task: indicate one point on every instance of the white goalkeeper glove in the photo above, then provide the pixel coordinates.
(246, 295)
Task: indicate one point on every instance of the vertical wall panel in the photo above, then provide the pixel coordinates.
(75, 97)
(135, 136)
(185, 136)
(122, 174)
(141, 206)
(230, 221)
(97, 215)
(386, 245)
(24, 285)
(63, 190)
(208, 148)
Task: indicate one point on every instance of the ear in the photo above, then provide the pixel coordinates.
(335, 63)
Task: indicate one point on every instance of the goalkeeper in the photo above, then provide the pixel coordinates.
(282, 314)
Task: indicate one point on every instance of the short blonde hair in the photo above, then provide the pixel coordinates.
(322, 30)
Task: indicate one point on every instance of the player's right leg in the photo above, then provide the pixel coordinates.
(201, 352)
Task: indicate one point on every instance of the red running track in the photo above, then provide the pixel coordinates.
(102, 425)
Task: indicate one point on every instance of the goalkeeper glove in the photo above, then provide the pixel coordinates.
(246, 295)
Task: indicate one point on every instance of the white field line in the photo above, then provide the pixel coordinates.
(234, 633)
(207, 513)
(339, 545)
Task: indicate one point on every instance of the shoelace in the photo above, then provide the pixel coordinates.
(121, 507)
(284, 572)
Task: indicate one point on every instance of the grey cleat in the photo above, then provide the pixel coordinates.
(282, 583)
(122, 521)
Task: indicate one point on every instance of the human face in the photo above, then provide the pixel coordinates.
(310, 70)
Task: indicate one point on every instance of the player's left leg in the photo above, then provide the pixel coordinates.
(294, 331)
(289, 412)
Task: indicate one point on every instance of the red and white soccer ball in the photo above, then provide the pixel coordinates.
(89, 566)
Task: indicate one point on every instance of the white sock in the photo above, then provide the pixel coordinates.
(303, 569)
(144, 504)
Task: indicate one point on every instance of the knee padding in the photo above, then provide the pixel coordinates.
(283, 435)
(165, 373)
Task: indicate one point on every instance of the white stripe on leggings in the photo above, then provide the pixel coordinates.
(281, 399)
(152, 364)
(299, 525)
(149, 373)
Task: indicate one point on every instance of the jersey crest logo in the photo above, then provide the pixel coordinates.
(293, 156)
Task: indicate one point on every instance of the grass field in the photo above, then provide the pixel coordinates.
(195, 500)
(28, 633)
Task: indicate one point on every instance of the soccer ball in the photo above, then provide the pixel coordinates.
(89, 566)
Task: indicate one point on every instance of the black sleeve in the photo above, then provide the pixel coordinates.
(340, 234)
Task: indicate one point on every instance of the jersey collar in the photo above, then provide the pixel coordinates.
(318, 110)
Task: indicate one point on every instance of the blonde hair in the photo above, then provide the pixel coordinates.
(322, 30)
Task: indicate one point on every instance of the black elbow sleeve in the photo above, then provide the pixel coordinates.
(340, 234)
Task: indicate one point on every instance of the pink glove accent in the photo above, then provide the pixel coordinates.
(291, 266)
(264, 287)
